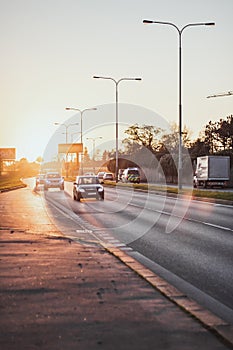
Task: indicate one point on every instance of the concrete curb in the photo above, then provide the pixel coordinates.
(12, 188)
(213, 323)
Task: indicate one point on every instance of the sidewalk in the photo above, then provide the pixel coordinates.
(57, 294)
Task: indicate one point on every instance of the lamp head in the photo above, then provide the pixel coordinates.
(147, 21)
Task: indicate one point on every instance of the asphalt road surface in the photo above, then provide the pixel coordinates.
(189, 243)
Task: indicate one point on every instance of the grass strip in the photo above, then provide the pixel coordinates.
(174, 190)
(170, 189)
(12, 181)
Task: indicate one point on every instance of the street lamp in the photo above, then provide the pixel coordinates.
(93, 148)
(66, 126)
(180, 31)
(72, 135)
(81, 133)
(116, 83)
(228, 93)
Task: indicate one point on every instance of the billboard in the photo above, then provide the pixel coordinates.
(7, 153)
(70, 148)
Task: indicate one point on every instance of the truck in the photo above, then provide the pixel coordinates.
(212, 171)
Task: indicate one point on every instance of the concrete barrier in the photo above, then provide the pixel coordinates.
(68, 188)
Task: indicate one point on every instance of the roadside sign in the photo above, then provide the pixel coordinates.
(7, 153)
(70, 148)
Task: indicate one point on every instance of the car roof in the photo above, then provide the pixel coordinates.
(86, 176)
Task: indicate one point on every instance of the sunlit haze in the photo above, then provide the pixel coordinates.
(50, 51)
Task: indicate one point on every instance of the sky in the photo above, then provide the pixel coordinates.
(51, 49)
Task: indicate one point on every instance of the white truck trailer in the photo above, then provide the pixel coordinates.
(212, 171)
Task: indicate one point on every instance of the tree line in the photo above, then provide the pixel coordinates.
(152, 148)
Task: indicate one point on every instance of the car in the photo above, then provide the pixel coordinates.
(100, 176)
(53, 180)
(195, 182)
(89, 174)
(40, 180)
(108, 177)
(87, 187)
(131, 175)
(120, 174)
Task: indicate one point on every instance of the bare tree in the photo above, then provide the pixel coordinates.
(142, 136)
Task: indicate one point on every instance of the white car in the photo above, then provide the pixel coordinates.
(108, 177)
(131, 175)
(100, 176)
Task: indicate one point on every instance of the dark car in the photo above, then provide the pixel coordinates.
(87, 187)
(53, 180)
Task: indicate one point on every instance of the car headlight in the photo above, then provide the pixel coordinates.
(81, 190)
(100, 189)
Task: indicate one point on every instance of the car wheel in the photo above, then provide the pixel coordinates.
(99, 197)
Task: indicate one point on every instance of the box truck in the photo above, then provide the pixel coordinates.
(212, 171)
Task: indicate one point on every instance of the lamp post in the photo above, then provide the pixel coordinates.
(81, 133)
(93, 141)
(116, 84)
(180, 31)
(72, 135)
(93, 148)
(66, 126)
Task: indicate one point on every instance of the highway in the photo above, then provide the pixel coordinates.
(187, 242)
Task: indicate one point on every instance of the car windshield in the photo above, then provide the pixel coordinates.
(133, 172)
(52, 176)
(88, 180)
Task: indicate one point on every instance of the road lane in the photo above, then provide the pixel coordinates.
(197, 249)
